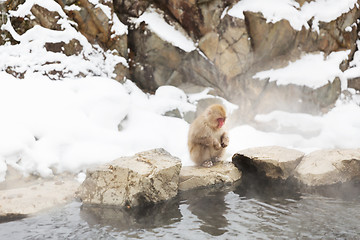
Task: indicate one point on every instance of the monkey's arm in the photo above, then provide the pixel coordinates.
(224, 140)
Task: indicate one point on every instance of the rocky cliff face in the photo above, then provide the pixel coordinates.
(221, 50)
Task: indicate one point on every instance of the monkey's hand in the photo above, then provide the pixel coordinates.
(224, 140)
(217, 145)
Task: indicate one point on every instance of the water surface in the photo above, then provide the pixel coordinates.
(246, 211)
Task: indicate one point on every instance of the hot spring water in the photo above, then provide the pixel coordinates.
(249, 210)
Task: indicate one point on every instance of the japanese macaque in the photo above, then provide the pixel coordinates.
(207, 138)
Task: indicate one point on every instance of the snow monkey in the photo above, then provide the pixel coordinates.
(207, 138)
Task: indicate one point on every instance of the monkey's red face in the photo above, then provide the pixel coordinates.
(221, 122)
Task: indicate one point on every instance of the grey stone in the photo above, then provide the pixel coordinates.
(147, 177)
(194, 177)
(29, 196)
(274, 162)
(328, 167)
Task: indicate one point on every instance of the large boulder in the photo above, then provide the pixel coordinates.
(153, 60)
(229, 48)
(273, 161)
(280, 36)
(329, 167)
(194, 177)
(156, 61)
(147, 177)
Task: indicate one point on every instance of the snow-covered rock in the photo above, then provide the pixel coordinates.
(273, 161)
(328, 167)
(194, 177)
(147, 177)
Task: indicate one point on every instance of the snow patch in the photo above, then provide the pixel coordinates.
(157, 24)
(339, 128)
(290, 10)
(312, 70)
(118, 28)
(24, 9)
(354, 70)
(72, 7)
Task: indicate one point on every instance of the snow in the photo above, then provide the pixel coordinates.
(54, 126)
(339, 128)
(24, 9)
(48, 127)
(169, 98)
(92, 60)
(312, 70)
(72, 7)
(353, 71)
(290, 10)
(118, 28)
(194, 98)
(157, 24)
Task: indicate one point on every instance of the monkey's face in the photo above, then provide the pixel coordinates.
(220, 122)
(216, 116)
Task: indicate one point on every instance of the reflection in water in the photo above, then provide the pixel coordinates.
(121, 219)
(253, 210)
(210, 207)
(264, 189)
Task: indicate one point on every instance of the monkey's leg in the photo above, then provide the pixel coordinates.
(217, 156)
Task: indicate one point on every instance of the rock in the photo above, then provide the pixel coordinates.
(354, 83)
(328, 167)
(46, 18)
(294, 98)
(130, 8)
(36, 196)
(235, 50)
(208, 44)
(147, 177)
(273, 161)
(195, 177)
(153, 60)
(96, 23)
(234, 55)
(197, 17)
(198, 70)
(72, 48)
(280, 36)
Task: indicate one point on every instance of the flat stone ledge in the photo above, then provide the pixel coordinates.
(273, 161)
(36, 197)
(194, 176)
(329, 167)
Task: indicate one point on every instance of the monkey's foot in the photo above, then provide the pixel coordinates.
(207, 164)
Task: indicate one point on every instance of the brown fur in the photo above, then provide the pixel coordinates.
(206, 141)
